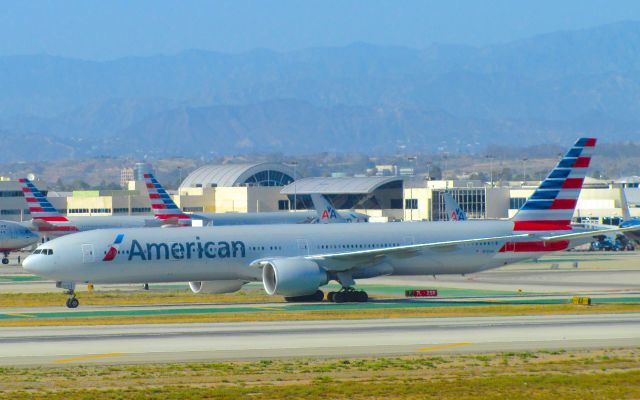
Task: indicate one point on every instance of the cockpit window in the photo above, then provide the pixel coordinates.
(50, 252)
(37, 251)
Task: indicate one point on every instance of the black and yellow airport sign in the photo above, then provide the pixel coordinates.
(581, 300)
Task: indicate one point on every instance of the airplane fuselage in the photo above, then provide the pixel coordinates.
(226, 252)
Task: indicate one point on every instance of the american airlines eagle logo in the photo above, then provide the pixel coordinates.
(113, 249)
(457, 215)
(329, 213)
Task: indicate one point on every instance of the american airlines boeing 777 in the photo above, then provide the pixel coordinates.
(296, 260)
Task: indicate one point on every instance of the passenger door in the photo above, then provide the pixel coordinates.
(87, 253)
(303, 247)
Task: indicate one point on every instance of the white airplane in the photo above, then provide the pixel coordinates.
(165, 209)
(296, 260)
(13, 237)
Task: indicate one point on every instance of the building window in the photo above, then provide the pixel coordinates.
(192, 209)
(120, 210)
(283, 204)
(411, 204)
(100, 210)
(10, 212)
(11, 193)
(141, 209)
(515, 203)
(395, 204)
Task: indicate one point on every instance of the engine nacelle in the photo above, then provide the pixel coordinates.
(292, 277)
(216, 287)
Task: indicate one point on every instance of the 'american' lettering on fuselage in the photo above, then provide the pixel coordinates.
(186, 250)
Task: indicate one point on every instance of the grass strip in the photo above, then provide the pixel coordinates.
(273, 314)
(594, 374)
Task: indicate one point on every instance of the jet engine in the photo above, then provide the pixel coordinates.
(291, 277)
(216, 287)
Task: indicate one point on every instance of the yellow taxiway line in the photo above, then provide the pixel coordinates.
(85, 358)
(444, 346)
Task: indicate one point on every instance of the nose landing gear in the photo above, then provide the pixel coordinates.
(5, 259)
(72, 301)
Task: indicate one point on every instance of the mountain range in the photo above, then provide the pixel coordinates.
(359, 98)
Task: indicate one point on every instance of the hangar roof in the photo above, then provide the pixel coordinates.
(227, 175)
(341, 185)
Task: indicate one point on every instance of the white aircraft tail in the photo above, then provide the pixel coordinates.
(626, 213)
(327, 214)
(452, 208)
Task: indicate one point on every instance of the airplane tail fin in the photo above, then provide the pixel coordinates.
(626, 213)
(552, 205)
(452, 208)
(162, 205)
(327, 214)
(44, 215)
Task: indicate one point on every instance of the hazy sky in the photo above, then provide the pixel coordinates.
(105, 29)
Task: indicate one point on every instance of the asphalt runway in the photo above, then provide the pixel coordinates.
(349, 338)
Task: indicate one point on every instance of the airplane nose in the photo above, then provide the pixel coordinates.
(30, 264)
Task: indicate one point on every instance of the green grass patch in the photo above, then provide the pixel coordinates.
(595, 374)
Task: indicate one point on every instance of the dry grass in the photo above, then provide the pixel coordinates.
(331, 314)
(599, 374)
(104, 298)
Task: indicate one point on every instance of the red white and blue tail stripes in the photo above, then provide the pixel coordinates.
(46, 217)
(163, 207)
(552, 205)
(113, 249)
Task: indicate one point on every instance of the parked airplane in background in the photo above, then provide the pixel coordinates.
(46, 219)
(165, 209)
(296, 260)
(14, 236)
(628, 220)
(452, 208)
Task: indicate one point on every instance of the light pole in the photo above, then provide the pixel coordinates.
(413, 173)
(491, 169)
(295, 186)
(524, 170)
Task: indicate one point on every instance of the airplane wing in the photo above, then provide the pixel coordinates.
(348, 260)
(596, 232)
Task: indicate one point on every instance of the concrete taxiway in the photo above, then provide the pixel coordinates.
(237, 341)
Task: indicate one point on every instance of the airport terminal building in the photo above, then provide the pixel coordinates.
(261, 187)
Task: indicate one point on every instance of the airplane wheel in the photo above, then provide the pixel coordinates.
(5, 261)
(363, 297)
(72, 302)
(331, 296)
(318, 296)
(340, 297)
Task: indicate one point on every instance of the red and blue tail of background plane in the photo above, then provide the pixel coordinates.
(551, 206)
(44, 216)
(163, 207)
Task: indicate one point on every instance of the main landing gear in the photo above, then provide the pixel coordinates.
(317, 296)
(348, 295)
(5, 259)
